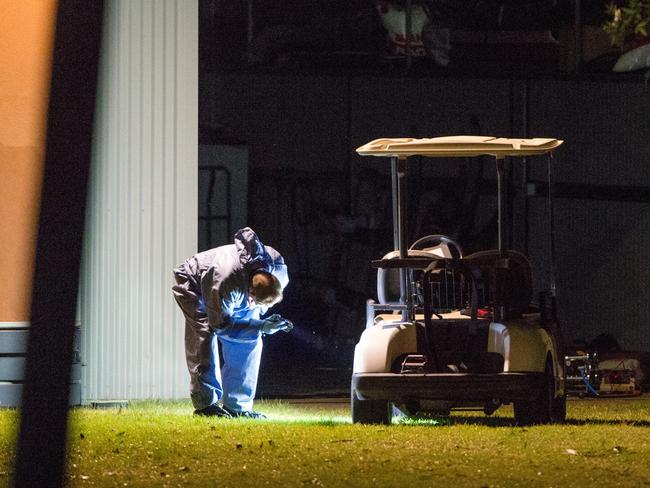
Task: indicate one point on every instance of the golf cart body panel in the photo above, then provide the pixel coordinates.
(381, 344)
(523, 346)
(469, 388)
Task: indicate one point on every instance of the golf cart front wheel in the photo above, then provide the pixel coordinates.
(543, 407)
(370, 411)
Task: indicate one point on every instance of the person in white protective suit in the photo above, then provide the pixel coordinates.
(223, 293)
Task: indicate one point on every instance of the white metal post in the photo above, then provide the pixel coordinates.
(400, 229)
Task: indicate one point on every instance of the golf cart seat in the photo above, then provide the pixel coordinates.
(504, 279)
(388, 290)
(430, 248)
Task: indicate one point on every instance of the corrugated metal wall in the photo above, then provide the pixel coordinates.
(142, 216)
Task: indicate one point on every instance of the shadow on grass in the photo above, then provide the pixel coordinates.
(509, 422)
(451, 421)
(633, 423)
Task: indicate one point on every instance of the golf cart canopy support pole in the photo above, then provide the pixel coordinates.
(551, 223)
(501, 205)
(399, 173)
(500, 201)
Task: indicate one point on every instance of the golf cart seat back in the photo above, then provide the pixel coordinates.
(503, 278)
(446, 285)
(388, 290)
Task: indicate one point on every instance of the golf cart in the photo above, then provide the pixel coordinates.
(454, 331)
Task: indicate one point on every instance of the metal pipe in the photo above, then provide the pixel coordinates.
(395, 192)
(402, 173)
(405, 284)
(524, 173)
(399, 174)
(500, 172)
(551, 216)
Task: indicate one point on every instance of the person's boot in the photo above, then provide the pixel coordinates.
(214, 410)
(246, 414)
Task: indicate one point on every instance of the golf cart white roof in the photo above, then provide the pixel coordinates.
(458, 146)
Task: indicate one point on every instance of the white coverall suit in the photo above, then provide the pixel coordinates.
(212, 290)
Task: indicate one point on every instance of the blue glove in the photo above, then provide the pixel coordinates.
(273, 324)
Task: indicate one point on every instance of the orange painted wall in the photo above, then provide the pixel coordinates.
(26, 38)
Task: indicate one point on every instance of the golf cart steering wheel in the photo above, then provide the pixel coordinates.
(437, 240)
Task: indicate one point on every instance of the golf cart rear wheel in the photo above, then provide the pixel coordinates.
(559, 409)
(543, 407)
(370, 411)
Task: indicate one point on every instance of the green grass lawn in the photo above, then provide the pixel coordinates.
(605, 442)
